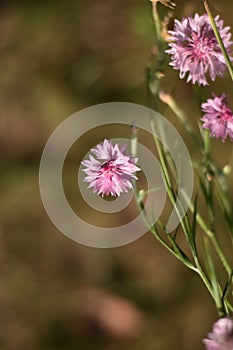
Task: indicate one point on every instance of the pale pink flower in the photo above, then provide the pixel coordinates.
(218, 117)
(114, 173)
(194, 48)
(221, 337)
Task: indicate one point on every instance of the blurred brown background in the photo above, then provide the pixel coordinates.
(58, 57)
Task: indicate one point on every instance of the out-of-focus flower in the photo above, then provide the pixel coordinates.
(114, 174)
(194, 48)
(221, 337)
(218, 117)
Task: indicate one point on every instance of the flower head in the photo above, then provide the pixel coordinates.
(194, 48)
(221, 337)
(114, 174)
(218, 117)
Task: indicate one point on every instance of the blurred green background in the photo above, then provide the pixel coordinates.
(57, 58)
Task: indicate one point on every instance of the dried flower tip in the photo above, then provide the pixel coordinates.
(209, 175)
(227, 169)
(164, 26)
(167, 3)
(165, 97)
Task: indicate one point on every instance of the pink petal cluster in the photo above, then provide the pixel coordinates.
(194, 48)
(218, 117)
(114, 173)
(221, 337)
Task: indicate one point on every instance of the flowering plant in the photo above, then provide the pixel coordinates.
(200, 48)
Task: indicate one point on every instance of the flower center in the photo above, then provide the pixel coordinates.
(201, 46)
(225, 115)
(108, 168)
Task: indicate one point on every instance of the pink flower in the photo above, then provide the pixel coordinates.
(195, 50)
(114, 174)
(221, 337)
(218, 117)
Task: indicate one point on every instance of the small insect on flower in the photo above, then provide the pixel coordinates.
(194, 48)
(221, 337)
(218, 117)
(112, 175)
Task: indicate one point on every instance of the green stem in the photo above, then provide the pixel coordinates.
(213, 239)
(185, 224)
(205, 280)
(225, 207)
(219, 295)
(169, 100)
(156, 21)
(164, 243)
(207, 146)
(208, 180)
(198, 268)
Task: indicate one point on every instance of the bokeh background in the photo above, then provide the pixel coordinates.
(56, 58)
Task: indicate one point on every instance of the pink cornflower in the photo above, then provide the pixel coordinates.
(218, 117)
(221, 337)
(114, 174)
(194, 48)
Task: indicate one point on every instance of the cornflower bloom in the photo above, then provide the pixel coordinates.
(194, 48)
(221, 337)
(114, 174)
(218, 117)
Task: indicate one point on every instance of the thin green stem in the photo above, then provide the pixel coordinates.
(198, 268)
(205, 280)
(206, 146)
(153, 83)
(210, 204)
(208, 180)
(156, 21)
(172, 104)
(164, 243)
(213, 239)
(225, 207)
(184, 222)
